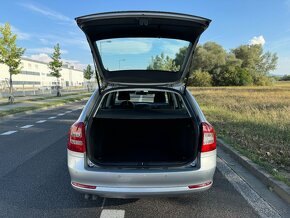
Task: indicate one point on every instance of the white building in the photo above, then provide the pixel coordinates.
(37, 74)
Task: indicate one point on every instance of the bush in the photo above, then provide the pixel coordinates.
(232, 76)
(285, 78)
(263, 81)
(200, 78)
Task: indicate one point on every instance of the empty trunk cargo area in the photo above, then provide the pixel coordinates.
(142, 129)
(142, 142)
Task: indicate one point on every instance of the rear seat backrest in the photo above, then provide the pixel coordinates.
(159, 97)
(160, 101)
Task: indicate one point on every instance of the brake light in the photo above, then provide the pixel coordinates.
(208, 138)
(77, 138)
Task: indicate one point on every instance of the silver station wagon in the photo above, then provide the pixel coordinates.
(142, 132)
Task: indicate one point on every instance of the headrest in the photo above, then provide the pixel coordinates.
(159, 97)
(124, 96)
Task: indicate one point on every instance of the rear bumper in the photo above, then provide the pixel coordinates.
(129, 192)
(130, 183)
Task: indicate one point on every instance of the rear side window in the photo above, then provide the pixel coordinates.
(142, 100)
(144, 97)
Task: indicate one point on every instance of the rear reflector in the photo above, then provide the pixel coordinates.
(208, 138)
(83, 185)
(77, 138)
(200, 185)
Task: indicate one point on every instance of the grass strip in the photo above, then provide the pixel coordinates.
(42, 105)
(39, 98)
(256, 159)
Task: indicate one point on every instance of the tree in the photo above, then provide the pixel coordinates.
(200, 78)
(208, 57)
(179, 57)
(88, 72)
(255, 60)
(245, 65)
(231, 73)
(244, 77)
(10, 55)
(55, 66)
(285, 78)
(162, 62)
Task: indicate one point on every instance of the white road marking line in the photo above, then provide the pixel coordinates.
(67, 112)
(26, 126)
(60, 114)
(40, 121)
(50, 118)
(112, 214)
(255, 200)
(8, 133)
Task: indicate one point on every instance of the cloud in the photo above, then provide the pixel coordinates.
(257, 40)
(76, 41)
(44, 41)
(170, 48)
(45, 50)
(40, 57)
(20, 35)
(54, 15)
(124, 47)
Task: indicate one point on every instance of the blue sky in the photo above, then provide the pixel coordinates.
(41, 24)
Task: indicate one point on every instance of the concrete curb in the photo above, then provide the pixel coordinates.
(280, 188)
(19, 114)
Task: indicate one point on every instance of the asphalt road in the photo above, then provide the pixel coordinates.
(34, 180)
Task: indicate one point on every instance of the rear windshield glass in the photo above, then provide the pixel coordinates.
(142, 54)
(142, 100)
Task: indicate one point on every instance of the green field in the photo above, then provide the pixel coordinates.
(255, 120)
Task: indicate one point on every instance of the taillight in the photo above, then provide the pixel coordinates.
(77, 138)
(208, 138)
